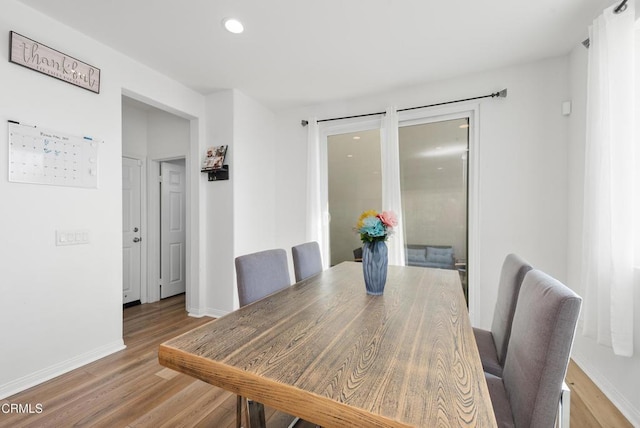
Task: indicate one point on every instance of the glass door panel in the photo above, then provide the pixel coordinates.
(433, 176)
(355, 185)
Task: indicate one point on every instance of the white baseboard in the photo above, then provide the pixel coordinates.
(48, 373)
(207, 312)
(618, 399)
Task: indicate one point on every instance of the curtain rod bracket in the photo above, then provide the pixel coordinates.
(502, 93)
(621, 8)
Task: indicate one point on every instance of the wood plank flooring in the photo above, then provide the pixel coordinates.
(129, 389)
(589, 406)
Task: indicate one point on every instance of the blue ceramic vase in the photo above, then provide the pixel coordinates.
(374, 266)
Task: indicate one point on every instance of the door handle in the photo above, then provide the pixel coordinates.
(136, 239)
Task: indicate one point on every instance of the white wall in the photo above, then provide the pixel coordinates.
(64, 304)
(248, 128)
(168, 136)
(255, 159)
(134, 132)
(523, 137)
(153, 133)
(616, 376)
(219, 218)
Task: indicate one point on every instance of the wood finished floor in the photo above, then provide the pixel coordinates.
(130, 388)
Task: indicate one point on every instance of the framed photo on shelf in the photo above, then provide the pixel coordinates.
(214, 157)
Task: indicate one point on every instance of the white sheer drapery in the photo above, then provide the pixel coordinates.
(608, 254)
(391, 196)
(317, 216)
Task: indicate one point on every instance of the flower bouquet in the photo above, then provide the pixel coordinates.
(373, 226)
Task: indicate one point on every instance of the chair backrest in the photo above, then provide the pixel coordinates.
(260, 274)
(513, 271)
(307, 260)
(539, 348)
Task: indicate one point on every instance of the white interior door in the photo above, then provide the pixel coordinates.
(131, 218)
(172, 229)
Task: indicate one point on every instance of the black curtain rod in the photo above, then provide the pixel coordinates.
(621, 8)
(499, 94)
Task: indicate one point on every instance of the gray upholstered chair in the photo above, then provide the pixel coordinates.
(544, 324)
(492, 345)
(258, 275)
(357, 254)
(307, 260)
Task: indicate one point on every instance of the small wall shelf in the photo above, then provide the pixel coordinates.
(217, 174)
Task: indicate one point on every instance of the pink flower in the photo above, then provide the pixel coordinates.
(388, 218)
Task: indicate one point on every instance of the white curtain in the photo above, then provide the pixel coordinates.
(391, 196)
(317, 215)
(608, 254)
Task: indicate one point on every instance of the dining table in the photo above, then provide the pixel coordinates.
(324, 350)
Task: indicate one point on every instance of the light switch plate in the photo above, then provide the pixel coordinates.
(72, 237)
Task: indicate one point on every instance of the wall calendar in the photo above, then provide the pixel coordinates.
(42, 156)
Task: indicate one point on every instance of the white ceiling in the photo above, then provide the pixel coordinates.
(302, 52)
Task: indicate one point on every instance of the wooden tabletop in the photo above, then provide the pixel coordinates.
(329, 353)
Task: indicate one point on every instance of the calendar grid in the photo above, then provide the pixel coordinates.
(42, 156)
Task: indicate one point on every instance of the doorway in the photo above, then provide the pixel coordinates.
(172, 228)
(131, 231)
(160, 141)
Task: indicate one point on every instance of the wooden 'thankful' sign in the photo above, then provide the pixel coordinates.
(38, 57)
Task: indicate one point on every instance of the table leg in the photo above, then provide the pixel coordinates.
(239, 412)
(256, 414)
(294, 422)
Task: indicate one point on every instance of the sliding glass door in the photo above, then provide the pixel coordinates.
(434, 188)
(434, 191)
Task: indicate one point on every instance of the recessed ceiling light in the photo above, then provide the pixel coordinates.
(232, 25)
(356, 137)
(349, 156)
(464, 125)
